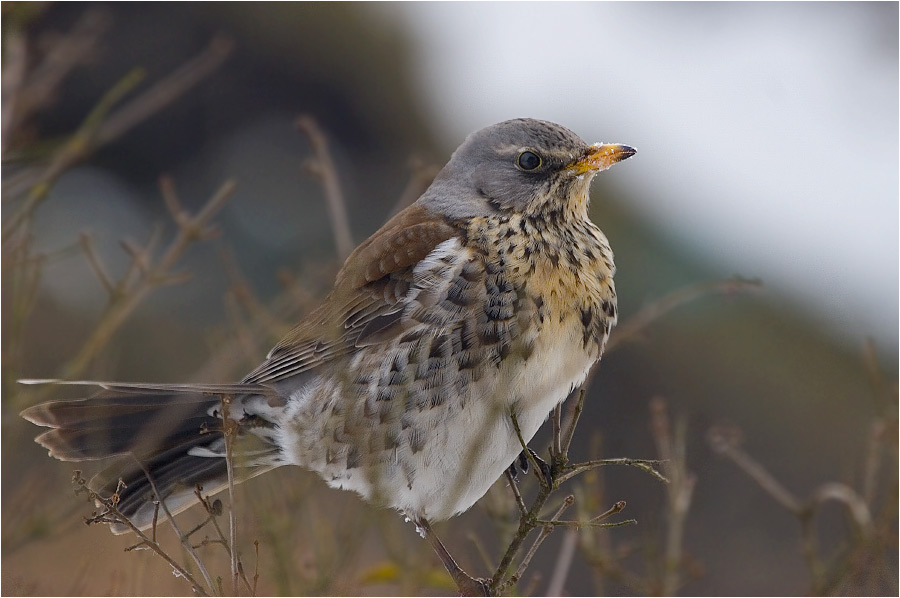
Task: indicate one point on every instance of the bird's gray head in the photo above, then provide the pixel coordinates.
(521, 165)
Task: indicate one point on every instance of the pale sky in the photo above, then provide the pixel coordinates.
(767, 133)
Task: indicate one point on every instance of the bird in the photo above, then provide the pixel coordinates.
(460, 324)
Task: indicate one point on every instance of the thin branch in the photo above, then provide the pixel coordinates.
(185, 541)
(156, 548)
(642, 464)
(112, 515)
(229, 429)
(322, 166)
(528, 454)
(74, 150)
(556, 447)
(872, 463)
(102, 126)
(87, 245)
(649, 314)
(35, 90)
(575, 524)
(577, 408)
(616, 508)
(523, 510)
(144, 276)
(15, 54)
(545, 533)
(853, 502)
(246, 298)
(255, 568)
(167, 90)
(214, 509)
(726, 442)
(672, 450)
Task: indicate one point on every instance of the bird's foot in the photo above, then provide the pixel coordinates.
(524, 463)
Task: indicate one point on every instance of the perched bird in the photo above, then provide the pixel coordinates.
(489, 297)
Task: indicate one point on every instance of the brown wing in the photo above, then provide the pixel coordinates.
(367, 301)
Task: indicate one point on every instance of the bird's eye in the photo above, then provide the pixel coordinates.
(529, 161)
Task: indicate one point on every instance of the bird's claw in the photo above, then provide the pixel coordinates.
(524, 463)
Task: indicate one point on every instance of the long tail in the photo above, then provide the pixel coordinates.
(168, 439)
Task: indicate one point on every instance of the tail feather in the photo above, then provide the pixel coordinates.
(168, 440)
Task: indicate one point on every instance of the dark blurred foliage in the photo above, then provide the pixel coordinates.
(804, 403)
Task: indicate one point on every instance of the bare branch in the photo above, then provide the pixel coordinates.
(649, 314)
(577, 408)
(854, 503)
(545, 532)
(76, 148)
(642, 464)
(34, 91)
(523, 510)
(322, 166)
(556, 447)
(112, 515)
(143, 277)
(726, 442)
(166, 91)
(185, 541)
(229, 430)
(101, 126)
(671, 449)
(15, 52)
(87, 245)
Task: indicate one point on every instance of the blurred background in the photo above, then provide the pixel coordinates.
(767, 139)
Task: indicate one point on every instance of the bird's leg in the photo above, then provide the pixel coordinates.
(467, 585)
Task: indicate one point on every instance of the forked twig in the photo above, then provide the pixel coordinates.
(185, 541)
(546, 530)
(323, 167)
(112, 515)
(145, 275)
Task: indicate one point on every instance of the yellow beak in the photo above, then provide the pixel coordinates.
(602, 156)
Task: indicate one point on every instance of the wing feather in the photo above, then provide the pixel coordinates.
(367, 304)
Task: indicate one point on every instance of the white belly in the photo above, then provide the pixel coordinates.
(471, 449)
